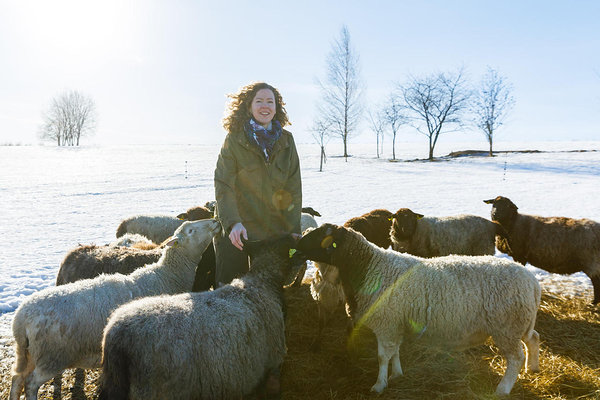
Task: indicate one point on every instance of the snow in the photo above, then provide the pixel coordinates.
(53, 199)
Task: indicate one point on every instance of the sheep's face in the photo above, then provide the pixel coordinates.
(320, 243)
(503, 210)
(277, 247)
(195, 236)
(404, 224)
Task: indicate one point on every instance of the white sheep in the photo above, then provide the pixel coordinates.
(440, 236)
(61, 327)
(220, 344)
(455, 301)
(158, 228)
(307, 221)
(133, 240)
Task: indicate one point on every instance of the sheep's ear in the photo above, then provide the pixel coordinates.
(182, 216)
(171, 242)
(419, 216)
(490, 201)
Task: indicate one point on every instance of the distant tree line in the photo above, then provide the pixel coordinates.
(432, 104)
(70, 116)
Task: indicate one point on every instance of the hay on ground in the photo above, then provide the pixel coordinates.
(346, 369)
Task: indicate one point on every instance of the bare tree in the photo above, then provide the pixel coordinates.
(436, 103)
(377, 123)
(321, 133)
(493, 101)
(395, 116)
(340, 94)
(70, 116)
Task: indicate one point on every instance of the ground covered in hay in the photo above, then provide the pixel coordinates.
(346, 368)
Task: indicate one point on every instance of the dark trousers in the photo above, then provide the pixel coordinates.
(230, 262)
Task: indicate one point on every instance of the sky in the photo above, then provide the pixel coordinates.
(159, 71)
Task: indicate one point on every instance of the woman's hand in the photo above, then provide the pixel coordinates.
(237, 232)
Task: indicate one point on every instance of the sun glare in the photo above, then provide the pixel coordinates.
(73, 28)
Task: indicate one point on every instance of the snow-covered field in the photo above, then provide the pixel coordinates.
(52, 199)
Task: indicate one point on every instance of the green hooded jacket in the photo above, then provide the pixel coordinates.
(265, 197)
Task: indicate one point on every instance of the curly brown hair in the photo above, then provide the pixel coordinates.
(238, 109)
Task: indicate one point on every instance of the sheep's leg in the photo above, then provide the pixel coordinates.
(396, 367)
(533, 351)
(385, 351)
(34, 381)
(23, 368)
(16, 387)
(299, 277)
(515, 358)
(596, 285)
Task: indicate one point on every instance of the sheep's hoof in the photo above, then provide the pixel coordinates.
(395, 375)
(378, 387)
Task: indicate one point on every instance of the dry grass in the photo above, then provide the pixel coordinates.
(346, 369)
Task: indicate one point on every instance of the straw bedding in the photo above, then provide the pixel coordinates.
(346, 366)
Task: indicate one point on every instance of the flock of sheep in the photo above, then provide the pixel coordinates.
(146, 309)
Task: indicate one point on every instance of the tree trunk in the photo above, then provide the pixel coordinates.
(346, 147)
(430, 150)
(322, 155)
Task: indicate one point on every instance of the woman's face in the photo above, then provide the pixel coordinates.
(263, 107)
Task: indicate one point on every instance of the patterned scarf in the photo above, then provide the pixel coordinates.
(264, 138)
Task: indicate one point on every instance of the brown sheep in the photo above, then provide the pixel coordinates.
(196, 213)
(89, 261)
(374, 226)
(556, 244)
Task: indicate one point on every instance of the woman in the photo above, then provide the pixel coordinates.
(257, 179)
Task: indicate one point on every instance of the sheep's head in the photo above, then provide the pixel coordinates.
(196, 213)
(275, 251)
(503, 210)
(276, 247)
(195, 236)
(311, 211)
(404, 223)
(320, 243)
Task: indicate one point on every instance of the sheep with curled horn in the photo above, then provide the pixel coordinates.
(397, 295)
(559, 245)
